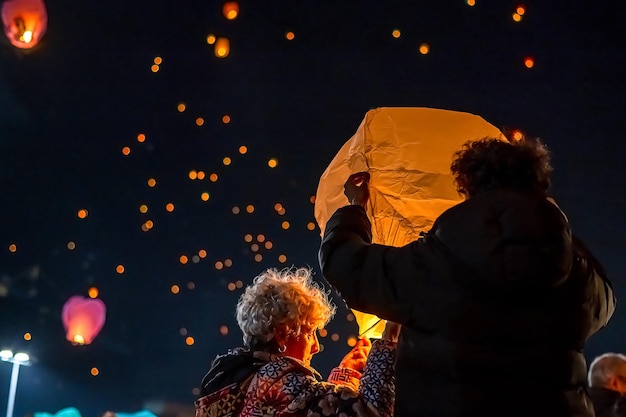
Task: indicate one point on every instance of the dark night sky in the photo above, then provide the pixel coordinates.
(69, 106)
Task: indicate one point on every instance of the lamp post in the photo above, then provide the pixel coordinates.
(17, 360)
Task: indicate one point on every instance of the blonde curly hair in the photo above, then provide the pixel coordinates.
(285, 299)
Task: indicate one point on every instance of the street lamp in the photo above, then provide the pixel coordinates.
(18, 359)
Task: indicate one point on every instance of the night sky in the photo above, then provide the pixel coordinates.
(89, 90)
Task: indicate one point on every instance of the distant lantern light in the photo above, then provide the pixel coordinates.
(351, 341)
(141, 137)
(529, 62)
(282, 258)
(182, 331)
(195, 259)
(169, 207)
(94, 371)
(126, 151)
(258, 257)
(189, 341)
(334, 337)
(213, 177)
(226, 160)
(202, 253)
(254, 247)
(158, 60)
(248, 238)
(181, 107)
(517, 17)
(120, 269)
(230, 9)
(470, 2)
(83, 319)
(290, 36)
(193, 174)
(222, 47)
(154, 68)
(250, 208)
(278, 207)
(228, 263)
(151, 182)
(239, 283)
(226, 119)
(149, 224)
(93, 292)
(219, 265)
(27, 336)
(71, 245)
(517, 135)
(200, 175)
(224, 330)
(272, 163)
(520, 10)
(183, 259)
(424, 48)
(82, 213)
(175, 289)
(25, 22)
(210, 39)
(231, 286)
(260, 238)
(243, 149)
(269, 245)
(205, 196)
(395, 33)
(236, 210)
(285, 225)
(312, 199)
(13, 248)
(143, 208)
(199, 121)
(310, 226)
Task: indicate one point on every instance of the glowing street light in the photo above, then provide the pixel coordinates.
(18, 359)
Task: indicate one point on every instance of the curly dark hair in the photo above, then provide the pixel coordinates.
(491, 163)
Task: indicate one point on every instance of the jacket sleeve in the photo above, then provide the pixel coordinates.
(376, 393)
(377, 279)
(598, 292)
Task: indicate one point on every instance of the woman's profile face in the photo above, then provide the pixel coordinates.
(304, 346)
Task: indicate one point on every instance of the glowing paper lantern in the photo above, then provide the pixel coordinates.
(407, 152)
(83, 319)
(25, 22)
(222, 47)
(230, 9)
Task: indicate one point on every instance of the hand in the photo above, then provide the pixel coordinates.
(356, 358)
(391, 332)
(356, 188)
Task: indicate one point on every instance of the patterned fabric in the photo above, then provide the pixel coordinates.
(345, 376)
(286, 387)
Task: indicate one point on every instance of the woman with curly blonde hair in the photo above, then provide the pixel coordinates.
(279, 315)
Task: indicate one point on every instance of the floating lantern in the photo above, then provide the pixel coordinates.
(83, 319)
(24, 21)
(222, 47)
(407, 152)
(230, 10)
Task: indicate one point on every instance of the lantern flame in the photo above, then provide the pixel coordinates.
(24, 21)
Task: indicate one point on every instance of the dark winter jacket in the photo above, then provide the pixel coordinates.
(496, 302)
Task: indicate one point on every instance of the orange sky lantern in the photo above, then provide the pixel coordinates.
(230, 10)
(24, 21)
(408, 152)
(222, 47)
(83, 319)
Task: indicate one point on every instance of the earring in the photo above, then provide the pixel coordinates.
(282, 349)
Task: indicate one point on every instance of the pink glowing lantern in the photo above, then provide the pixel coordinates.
(24, 21)
(83, 319)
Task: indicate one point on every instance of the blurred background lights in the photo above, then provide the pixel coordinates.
(210, 39)
(126, 150)
(169, 207)
(424, 48)
(213, 177)
(193, 174)
(236, 210)
(189, 340)
(250, 208)
(181, 107)
(158, 60)
(226, 161)
(520, 10)
(205, 196)
(224, 330)
(71, 245)
(92, 292)
(82, 213)
(141, 137)
(27, 336)
(517, 135)
(226, 119)
(143, 208)
(230, 9)
(222, 47)
(290, 36)
(272, 163)
(154, 68)
(174, 289)
(95, 371)
(470, 2)
(12, 247)
(199, 121)
(395, 33)
(183, 259)
(517, 17)
(151, 182)
(200, 175)
(243, 149)
(120, 269)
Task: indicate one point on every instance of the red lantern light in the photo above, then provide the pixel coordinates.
(83, 319)
(230, 10)
(25, 22)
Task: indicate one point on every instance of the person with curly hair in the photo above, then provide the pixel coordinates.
(496, 301)
(279, 316)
